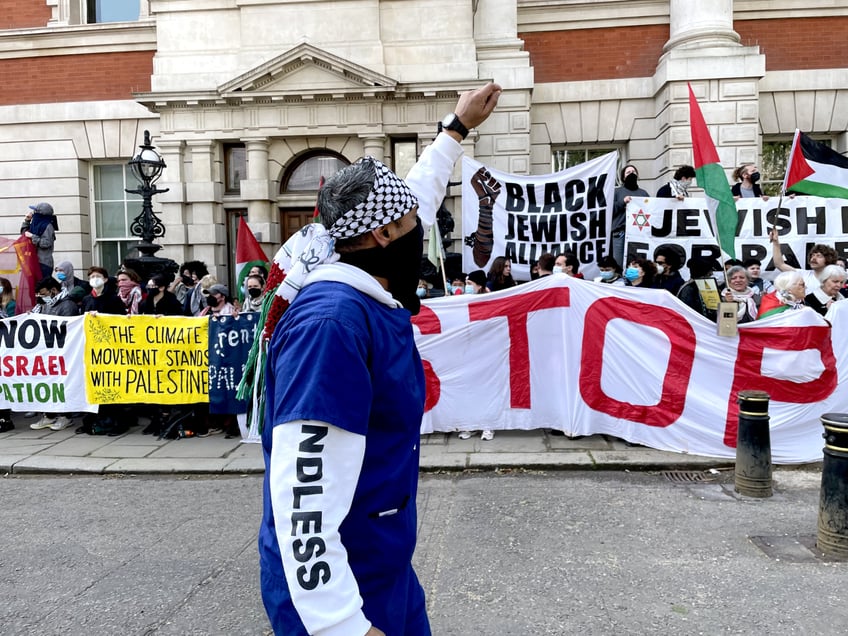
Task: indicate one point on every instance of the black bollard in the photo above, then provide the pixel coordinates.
(753, 445)
(832, 538)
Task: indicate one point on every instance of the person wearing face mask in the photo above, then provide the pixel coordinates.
(627, 191)
(129, 289)
(254, 285)
(611, 273)
(218, 301)
(423, 290)
(567, 263)
(184, 281)
(64, 273)
(640, 273)
(678, 187)
(746, 176)
(40, 226)
(54, 301)
(159, 301)
(350, 308)
(455, 287)
(194, 300)
(104, 294)
(668, 263)
(475, 282)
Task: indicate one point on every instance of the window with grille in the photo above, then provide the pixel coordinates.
(114, 211)
(563, 158)
(775, 157)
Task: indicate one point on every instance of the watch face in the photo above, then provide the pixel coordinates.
(448, 120)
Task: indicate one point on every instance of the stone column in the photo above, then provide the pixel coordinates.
(374, 146)
(703, 51)
(258, 191)
(701, 24)
(172, 202)
(206, 233)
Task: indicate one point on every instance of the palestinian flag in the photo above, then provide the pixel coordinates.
(721, 206)
(248, 254)
(815, 169)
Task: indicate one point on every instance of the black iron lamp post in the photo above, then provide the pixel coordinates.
(147, 167)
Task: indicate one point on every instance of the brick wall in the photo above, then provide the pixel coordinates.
(802, 43)
(75, 78)
(23, 14)
(592, 54)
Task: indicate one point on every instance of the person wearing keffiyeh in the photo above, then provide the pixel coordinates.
(788, 294)
(344, 386)
(678, 187)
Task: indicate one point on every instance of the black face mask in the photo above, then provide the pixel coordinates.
(211, 301)
(399, 263)
(631, 181)
(754, 177)
(254, 292)
(188, 281)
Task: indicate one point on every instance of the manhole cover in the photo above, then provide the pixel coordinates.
(687, 476)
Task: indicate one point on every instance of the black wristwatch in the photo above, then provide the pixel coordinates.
(451, 122)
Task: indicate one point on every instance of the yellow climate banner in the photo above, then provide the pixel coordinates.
(162, 360)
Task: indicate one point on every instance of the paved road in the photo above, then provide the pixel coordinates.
(513, 553)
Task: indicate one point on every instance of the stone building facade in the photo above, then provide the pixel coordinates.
(250, 101)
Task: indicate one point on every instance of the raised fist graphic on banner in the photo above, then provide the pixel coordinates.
(487, 189)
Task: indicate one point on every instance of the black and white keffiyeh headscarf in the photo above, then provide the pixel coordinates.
(389, 200)
(314, 245)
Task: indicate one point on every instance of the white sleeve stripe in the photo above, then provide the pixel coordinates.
(313, 474)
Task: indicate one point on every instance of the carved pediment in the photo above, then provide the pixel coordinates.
(307, 72)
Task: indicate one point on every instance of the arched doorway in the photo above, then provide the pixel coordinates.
(300, 185)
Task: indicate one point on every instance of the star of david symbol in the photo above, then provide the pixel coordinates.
(641, 220)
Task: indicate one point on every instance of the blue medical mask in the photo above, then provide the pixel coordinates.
(421, 292)
(449, 290)
(606, 275)
(469, 289)
(631, 273)
(557, 269)
(60, 276)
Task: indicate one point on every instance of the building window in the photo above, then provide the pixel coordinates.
(404, 155)
(305, 175)
(98, 11)
(773, 168)
(114, 211)
(570, 157)
(235, 166)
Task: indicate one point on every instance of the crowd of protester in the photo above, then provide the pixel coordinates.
(59, 292)
(195, 292)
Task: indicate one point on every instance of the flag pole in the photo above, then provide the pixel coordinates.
(442, 261)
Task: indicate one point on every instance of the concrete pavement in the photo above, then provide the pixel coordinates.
(24, 450)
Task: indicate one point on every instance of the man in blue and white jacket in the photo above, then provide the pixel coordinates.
(345, 396)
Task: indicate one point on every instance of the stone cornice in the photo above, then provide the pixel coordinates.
(560, 15)
(162, 101)
(79, 39)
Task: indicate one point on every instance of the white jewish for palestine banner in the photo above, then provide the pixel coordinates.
(521, 217)
(41, 365)
(801, 223)
(635, 363)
